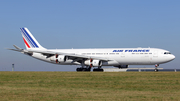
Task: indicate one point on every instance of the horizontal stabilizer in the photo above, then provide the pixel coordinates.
(14, 49)
(17, 47)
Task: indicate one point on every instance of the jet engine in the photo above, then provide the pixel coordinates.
(88, 62)
(93, 63)
(97, 63)
(59, 58)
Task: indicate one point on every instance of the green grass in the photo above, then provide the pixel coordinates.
(63, 86)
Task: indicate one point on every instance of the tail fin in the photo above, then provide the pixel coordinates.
(29, 40)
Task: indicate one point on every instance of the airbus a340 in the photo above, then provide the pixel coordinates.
(88, 58)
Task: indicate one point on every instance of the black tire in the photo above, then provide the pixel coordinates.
(87, 69)
(78, 69)
(98, 70)
(156, 70)
(82, 69)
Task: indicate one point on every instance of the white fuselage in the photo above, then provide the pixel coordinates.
(118, 56)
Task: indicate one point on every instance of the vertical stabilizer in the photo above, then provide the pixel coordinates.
(29, 40)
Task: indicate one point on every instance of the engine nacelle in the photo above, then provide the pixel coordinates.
(122, 66)
(59, 58)
(62, 58)
(88, 62)
(93, 63)
(96, 63)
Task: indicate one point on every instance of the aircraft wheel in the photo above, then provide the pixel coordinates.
(82, 69)
(156, 70)
(78, 69)
(88, 69)
(98, 70)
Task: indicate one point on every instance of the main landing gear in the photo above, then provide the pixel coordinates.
(88, 69)
(99, 69)
(156, 66)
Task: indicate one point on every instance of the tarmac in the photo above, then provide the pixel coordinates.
(139, 70)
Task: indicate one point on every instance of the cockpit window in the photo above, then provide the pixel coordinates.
(167, 53)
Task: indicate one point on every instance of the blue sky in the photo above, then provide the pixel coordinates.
(87, 24)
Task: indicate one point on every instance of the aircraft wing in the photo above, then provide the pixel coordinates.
(70, 55)
(49, 53)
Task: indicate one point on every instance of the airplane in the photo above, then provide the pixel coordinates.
(88, 58)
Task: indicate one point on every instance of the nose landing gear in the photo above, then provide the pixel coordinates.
(156, 67)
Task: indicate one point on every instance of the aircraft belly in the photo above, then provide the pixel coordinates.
(110, 63)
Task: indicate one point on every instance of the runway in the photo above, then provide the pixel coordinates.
(159, 70)
(139, 70)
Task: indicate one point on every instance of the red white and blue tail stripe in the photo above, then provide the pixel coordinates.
(29, 40)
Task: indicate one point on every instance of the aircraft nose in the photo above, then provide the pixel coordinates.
(170, 58)
(173, 57)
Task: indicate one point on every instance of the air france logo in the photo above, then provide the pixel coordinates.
(131, 50)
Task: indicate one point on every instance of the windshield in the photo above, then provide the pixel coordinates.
(167, 53)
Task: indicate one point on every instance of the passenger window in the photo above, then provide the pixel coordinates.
(111, 53)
